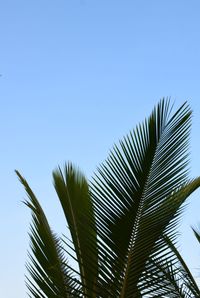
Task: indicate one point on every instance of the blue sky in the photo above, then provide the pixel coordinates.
(77, 75)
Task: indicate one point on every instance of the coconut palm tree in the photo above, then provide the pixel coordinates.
(122, 224)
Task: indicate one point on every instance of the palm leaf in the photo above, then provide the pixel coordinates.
(50, 274)
(187, 281)
(171, 255)
(123, 224)
(73, 192)
(135, 195)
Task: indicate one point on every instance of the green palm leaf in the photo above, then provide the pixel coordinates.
(123, 223)
(183, 277)
(136, 197)
(73, 192)
(48, 269)
(176, 275)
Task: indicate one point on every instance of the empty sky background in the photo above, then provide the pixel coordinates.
(77, 75)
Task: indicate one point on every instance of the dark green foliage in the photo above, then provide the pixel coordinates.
(47, 266)
(122, 224)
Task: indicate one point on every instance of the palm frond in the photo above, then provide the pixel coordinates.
(123, 224)
(50, 275)
(135, 195)
(187, 281)
(170, 254)
(73, 192)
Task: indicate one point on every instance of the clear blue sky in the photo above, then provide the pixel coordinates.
(77, 75)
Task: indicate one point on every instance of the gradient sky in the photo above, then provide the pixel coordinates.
(77, 75)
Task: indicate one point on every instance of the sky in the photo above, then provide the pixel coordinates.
(76, 76)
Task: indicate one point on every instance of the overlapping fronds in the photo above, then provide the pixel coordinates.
(48, 268)
(122, 224)
(171, 277)
(186, 282)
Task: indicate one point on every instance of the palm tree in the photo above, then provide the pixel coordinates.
(123, 224)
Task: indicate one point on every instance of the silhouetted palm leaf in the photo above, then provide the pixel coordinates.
(120, 222)
(47, 266)
(172, 277)
(73, 192)
(138, 195)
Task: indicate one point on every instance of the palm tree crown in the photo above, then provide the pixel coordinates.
(123, 224)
